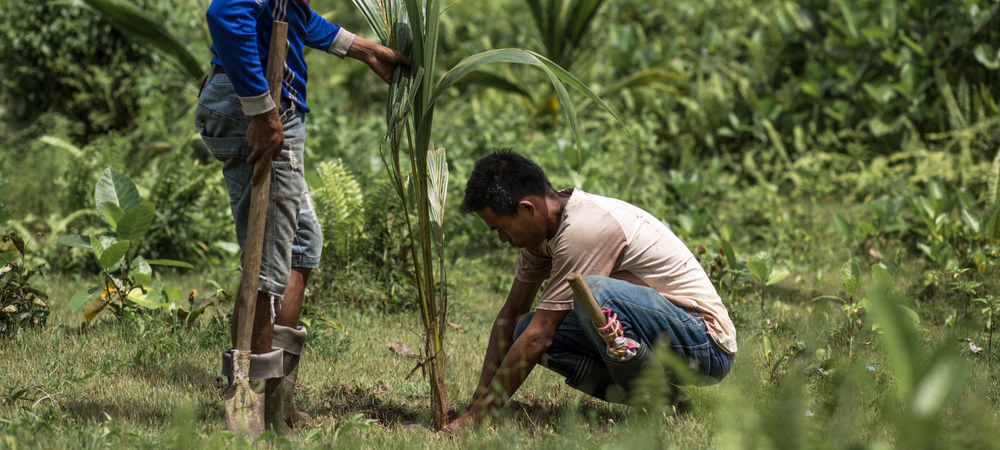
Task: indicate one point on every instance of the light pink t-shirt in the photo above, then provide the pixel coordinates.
(609, 237)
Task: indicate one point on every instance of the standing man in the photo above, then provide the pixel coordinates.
(241, 125)
(636, 267)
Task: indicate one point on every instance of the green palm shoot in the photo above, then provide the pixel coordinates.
(418, 171)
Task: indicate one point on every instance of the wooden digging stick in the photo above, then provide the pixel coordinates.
(582, 292)
(245, 408)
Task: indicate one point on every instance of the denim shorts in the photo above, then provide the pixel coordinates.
(292, 236)
(645, 317)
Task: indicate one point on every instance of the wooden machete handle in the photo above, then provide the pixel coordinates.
(582, 292)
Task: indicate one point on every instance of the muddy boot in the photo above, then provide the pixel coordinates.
(291, 340)
(274, 411)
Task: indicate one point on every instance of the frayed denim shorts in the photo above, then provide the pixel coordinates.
(293, 237)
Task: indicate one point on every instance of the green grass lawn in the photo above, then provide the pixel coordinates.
(818, 380)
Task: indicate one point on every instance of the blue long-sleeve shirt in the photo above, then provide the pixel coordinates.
(241, 35)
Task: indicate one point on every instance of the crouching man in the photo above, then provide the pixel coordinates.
(635, 266)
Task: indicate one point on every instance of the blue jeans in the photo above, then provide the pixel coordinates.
(292, 236)
(580, 354)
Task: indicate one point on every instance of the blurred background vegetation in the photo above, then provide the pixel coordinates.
(814, 130)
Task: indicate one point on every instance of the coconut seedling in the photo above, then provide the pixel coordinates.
(418, 172)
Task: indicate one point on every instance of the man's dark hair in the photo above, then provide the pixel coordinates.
(502, 179)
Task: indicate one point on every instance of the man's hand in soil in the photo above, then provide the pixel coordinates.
(382, 60)
(265, 135)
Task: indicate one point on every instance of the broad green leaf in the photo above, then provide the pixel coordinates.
(75, 240)
(112, 213)
(768, 348)
(112, 254)
(138, 23)
(941, 383)
(94, 308)
(83, 297)
(142, 274)
(778, 274)
(760, 266)
(899, 338)
(170, 262)
(135, 223)
(115, 187)
(730, 255)
(171, 293)
(882, 276)
(850, 275)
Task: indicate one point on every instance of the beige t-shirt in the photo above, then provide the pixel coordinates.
(609, 237)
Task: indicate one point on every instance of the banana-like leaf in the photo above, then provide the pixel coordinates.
(136, 22)
(135, 223)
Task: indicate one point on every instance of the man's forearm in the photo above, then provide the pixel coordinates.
(500, 341)
(518, 363)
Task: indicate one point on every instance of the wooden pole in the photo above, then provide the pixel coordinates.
(582, 292)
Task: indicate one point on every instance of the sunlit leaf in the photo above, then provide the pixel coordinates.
(761, 266)
(115, 187)
(94, 308)
(941, 383)
(777, 274)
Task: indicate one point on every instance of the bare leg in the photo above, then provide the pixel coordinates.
(287, 311)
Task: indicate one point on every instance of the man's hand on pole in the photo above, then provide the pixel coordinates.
(265, 135)
(381, 59)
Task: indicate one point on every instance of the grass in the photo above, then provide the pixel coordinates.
(143, 384)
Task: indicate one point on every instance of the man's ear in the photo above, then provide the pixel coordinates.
(528, 205)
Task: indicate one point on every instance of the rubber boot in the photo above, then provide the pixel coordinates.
(292, 341)
(266, 368)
